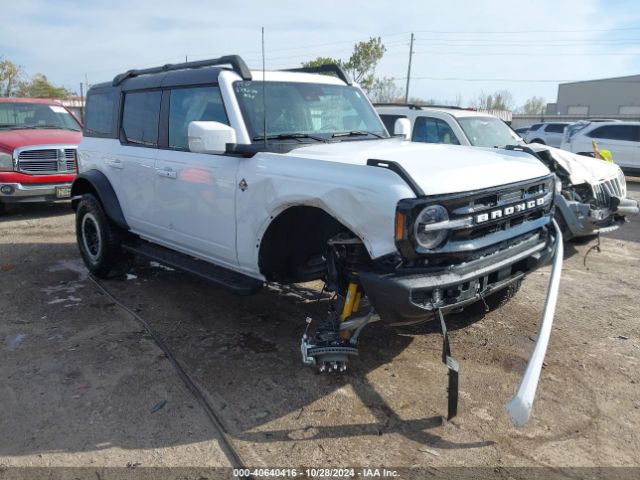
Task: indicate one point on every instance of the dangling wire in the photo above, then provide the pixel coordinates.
(595, 247)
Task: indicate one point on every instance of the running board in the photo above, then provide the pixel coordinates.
(236, 282)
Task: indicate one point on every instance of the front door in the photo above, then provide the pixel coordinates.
(195, 191)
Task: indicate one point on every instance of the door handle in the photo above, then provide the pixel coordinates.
(167, 172)
(115, 163)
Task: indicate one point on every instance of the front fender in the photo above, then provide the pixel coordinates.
(362, 198)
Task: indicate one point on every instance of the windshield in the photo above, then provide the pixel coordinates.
(308, 110)
(36, 115)
(488, 132)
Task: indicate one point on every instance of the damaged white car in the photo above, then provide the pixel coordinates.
(591, 196)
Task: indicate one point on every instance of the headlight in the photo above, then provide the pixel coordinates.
(426, 231)
(6, 162)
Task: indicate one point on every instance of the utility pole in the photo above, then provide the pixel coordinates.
(406, 92)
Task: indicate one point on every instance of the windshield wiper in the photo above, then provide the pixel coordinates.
(286, 136)
(356, 133)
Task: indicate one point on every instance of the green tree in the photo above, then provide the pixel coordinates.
(534, 105)
(40, 87)
(10, 76)
(361, 65)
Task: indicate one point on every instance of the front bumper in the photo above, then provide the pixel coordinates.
(582, 219)
(411, 295)
(32, 192)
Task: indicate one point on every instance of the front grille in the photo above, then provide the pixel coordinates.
(482, 221)
(47, 161)
(605, 190)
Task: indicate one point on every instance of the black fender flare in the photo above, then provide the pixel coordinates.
(96, 182)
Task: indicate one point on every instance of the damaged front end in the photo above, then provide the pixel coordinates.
(592, 194)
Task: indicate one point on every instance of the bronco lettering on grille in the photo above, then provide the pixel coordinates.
(510, 210)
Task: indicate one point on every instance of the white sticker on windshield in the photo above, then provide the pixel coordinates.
(57, 109)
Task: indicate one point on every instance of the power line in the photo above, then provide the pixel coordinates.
(528, 54)
(514, 80)
(511, 32)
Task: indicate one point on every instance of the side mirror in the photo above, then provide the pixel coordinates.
(209, 137)
(402, 127)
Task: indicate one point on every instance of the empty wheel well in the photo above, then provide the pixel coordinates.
(293, 247)
(80, 187)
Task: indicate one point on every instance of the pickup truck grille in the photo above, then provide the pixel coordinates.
(613, 187)
(47, 161)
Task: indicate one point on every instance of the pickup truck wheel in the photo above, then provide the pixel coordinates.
(99, 240)
(538, 140)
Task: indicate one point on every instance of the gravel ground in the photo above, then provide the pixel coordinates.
(84, 385)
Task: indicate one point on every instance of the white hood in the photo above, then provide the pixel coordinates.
(436, 168)
(581, 169)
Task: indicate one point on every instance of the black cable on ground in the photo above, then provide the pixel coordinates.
(226, 443)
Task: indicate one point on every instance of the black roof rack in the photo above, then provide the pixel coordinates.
(416, 106)
(236, 62)
(327, 68)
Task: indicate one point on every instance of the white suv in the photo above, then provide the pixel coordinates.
(546, 133)
(622, 139)
(294, 178)
(592, 196)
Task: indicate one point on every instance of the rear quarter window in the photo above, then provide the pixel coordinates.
(99, 114)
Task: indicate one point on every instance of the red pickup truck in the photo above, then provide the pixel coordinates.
(38, 150)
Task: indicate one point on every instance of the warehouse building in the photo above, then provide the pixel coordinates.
(605, 97)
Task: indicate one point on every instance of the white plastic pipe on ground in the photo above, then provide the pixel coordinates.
(519, 407)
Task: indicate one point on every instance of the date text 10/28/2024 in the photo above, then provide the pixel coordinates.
(315, 472)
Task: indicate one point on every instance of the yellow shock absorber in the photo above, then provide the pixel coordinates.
(351, 300)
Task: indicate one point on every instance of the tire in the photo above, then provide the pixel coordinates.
(99, 241)
(501, 297)
(538, 140)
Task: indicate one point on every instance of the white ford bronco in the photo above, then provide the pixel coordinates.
(245, 177)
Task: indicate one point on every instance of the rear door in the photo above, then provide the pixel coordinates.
(553, 134)
(195, 191)
(132, 160)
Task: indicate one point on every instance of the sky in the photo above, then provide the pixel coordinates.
(462, 48)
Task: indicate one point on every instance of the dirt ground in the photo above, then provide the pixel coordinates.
(84, 385)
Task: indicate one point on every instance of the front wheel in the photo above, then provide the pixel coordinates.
(99, 241)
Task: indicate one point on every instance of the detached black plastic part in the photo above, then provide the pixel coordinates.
(328, 68)
(453, 367)
(236, 62)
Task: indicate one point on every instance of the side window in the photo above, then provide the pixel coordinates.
(555, 128)
(628, 133)
(99, 114)
(390, 121)
(534, 127)
(432, 130)
(193, 104)
(140, 117)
